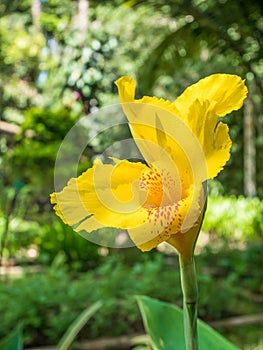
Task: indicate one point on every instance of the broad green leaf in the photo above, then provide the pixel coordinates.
(77, 325)
(14, 341)
(164, 324)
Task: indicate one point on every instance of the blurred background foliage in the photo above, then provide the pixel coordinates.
(58, 63)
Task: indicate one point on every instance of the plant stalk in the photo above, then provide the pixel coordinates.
(190, 293)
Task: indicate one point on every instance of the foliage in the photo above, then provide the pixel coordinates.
(198, 42)
(21, 235)
(77, 72)
(46, 130)
(14, 340)
(234, 219)
(46, 242)
(34, 299)
(73, 249)
(77, 325)
(20, 58)
(49, 301)
(29, 166)
(169, 334)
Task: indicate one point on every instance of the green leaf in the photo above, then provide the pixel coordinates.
(164, 324)
(14, 341)
(77, 325)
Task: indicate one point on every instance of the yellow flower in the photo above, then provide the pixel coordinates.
(183, 145)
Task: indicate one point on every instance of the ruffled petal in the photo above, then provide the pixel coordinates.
(185, 134)
(164, 139)
(227, 91)
(213, 136)
(103, 196)
(68, 205)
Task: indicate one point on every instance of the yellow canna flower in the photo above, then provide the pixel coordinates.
(183, 145)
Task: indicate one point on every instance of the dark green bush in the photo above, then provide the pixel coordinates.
(60, 238)
(48, 302)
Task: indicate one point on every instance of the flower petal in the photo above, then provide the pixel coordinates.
(163, 138)
(68, 205)
(227, 91)
(103, 196)
(163, 222)
(185, 243)
(126, 86)
(214, 138)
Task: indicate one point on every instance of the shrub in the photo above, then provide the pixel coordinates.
(234, 218)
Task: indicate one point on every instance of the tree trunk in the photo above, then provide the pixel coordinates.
(36, 11)
(250, 188)
(83, 8)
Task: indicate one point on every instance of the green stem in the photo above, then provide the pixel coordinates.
(190, 292)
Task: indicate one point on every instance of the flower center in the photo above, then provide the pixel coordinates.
(151, 181)
(160, 187)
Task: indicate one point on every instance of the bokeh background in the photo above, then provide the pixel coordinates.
(59, 60)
